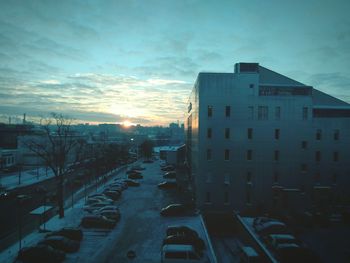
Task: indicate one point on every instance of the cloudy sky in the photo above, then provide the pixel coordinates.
(116, 60)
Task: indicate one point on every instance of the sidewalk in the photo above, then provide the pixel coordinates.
(28, 177)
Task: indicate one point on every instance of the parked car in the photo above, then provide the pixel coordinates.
(92, 207)
(276, 239)
(110, 214)
(72, 233)
(173, 210)
(115, 195)
(148, 161)
(61, 243)
(135, 176)
(97, 221)
(181, 254)
(167, 185)
(196, 242)
(248, 255)
(132, 182)
(181, 231)
(121, 185)
(40, 253)
(138, 167)
(95, 200)
(272, 228)
(170, 175)
(168, 168)
(132, 171)
(108, 207)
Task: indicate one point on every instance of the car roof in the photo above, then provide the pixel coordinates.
(282, 236)
(249, 251)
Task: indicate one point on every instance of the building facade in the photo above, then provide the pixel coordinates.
(259, 140)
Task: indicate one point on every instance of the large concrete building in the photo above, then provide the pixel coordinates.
(258, 140)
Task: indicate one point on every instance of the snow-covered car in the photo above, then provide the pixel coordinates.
(92, 207)
(110, 214)
(174, 210)
(113, 194)
(175, 253)
(180, 230)
(167, 184)
(72, 233)
(61, 243)
(135, 176)
(170, 175)
(132, 182)
(168, 168)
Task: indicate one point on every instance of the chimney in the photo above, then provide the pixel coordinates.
(24, 118)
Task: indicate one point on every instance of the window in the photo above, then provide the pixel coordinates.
(277, 134)
(275, 177)
(227, 154)
(209, 177)
(227, 178)
(277, 155)
(227, 133)
(227, 111)
(209, 133)
(278, 113)
(336, 135)
(317, 156)
(251, 86)
(207, 197)
(208, 154)
(335, 156)
(249, 177)
(250, 112)
(226, 199)
(249, 155)
(305, 113)
(250, 133)
(210, 111)
(318, 135)
(304, 145)
(263, 113)
(304, 167)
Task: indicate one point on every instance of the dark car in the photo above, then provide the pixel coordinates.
(61, 243)
(147, 161)
(167, 185)
(173, 210)
(72, 233)
(97, 221)
(168, 168)
(133, 172)
(132, 182)
(196, 242)
(40, 253)
(114, 195)
(170, 175)
(112, 214)
(181, 231)
(135, 176)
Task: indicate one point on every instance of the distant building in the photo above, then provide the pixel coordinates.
(258, 140)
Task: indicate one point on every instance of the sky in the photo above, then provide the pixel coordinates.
(107, 61)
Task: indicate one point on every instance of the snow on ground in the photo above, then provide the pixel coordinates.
(28, 177)
(141, 227)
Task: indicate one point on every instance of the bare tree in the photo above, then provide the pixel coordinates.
(55, 147)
